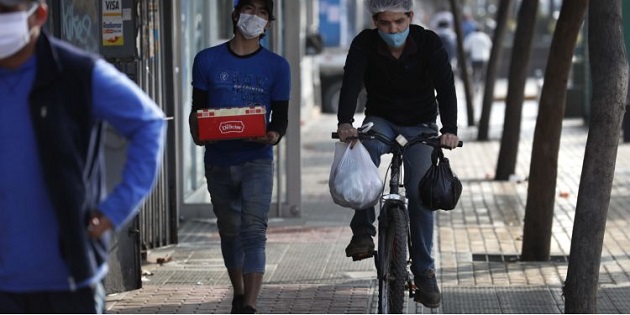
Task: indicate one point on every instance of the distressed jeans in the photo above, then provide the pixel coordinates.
(241, 198)
(416, 162)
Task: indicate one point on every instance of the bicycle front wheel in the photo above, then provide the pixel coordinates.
(392, 261)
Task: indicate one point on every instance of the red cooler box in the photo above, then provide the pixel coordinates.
(232, 123)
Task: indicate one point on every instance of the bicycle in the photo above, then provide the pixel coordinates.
(391, 258)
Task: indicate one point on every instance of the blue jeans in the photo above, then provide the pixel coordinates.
(417, 161)
(241, 198)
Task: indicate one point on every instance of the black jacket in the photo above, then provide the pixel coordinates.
(402, 90)
(70, 149)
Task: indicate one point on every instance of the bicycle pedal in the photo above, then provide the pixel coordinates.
(411, 287)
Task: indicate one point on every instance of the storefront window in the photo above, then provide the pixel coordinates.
(193, 35)
(204, 24)
(225, 9)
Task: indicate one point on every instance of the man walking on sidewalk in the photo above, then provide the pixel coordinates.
(239, 173)
(402, 66)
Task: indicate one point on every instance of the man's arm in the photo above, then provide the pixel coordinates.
(354, 70)
(279, 105)
(444, 82)
(279, 119)
(123, 105)
(277, 126)
(199, 101)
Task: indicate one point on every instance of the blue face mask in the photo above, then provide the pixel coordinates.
(394, 40)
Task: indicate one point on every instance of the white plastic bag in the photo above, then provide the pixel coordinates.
(355, 182)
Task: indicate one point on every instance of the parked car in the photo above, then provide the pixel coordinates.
(331, 62)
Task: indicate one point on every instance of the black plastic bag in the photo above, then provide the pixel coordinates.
(439, 187)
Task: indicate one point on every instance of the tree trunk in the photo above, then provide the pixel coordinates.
(543, 170)
(610, 83)
(461, 61)
(519, 66)
(492, 71)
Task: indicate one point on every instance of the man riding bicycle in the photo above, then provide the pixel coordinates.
(408, 79)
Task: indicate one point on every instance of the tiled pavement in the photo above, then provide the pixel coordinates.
(476, 246)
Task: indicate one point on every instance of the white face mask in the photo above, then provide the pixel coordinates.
(251, 26)
(14, 31)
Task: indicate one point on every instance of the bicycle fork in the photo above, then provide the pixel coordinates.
(409, 284)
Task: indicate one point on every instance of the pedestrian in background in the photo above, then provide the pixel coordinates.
(55, 221)
(409, 80)
(468, 24)
(449, 40)
(478, 45)
(239, 173)
(443, 13)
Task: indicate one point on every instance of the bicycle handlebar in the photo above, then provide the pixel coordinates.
(424, 138)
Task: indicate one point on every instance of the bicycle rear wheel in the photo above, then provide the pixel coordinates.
(392, 261)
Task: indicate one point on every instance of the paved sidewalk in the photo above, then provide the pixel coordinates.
(476, 247)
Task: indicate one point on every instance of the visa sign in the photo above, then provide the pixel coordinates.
(112, 5)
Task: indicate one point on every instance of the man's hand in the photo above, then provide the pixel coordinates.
(271, 137)
(194, 130)
(449, 140)
(98, 225)
(346, 131)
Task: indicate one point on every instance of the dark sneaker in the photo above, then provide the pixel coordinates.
(237, 304)
(248, 309)
(427, 292)
(360, 247)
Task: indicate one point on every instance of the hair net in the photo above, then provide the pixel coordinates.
(378, 6)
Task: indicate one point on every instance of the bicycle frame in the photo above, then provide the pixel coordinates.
(391, 261)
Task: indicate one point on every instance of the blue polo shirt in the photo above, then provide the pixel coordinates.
(240, 81)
